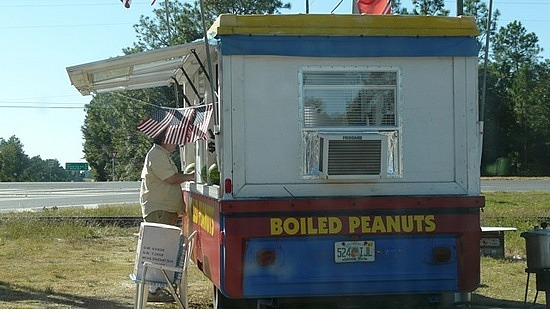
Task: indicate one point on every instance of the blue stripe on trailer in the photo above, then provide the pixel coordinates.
(328, 46)
(305, 266)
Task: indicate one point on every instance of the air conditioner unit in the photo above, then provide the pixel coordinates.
(353, 156)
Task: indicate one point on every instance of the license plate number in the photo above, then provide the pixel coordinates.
(354, 251)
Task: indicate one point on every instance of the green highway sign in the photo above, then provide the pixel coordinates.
(82, 166)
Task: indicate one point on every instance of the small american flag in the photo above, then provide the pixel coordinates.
(177, 129)
(126, 3)
(199, 127)
(155, 124)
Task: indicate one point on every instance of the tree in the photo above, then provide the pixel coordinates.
(111, 119)
(530, 106)
(13, 160)
(15, 165)
(182, 23)
(513, 47)
(39, 170)
(517, 113)
(429, 7)
(479, 10)
(179, 25)
(98, 129)
(218, 7)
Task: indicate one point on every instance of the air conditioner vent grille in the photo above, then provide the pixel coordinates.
(354, 157)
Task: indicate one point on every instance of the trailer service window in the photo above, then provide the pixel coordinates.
(356, 110)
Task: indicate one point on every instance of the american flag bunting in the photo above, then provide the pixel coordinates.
(183, 125)
(176, 132)
(199, 127)
(158, 122)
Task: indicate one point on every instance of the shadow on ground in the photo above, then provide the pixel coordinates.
(479, 301)
(34, 298)
(44, 298)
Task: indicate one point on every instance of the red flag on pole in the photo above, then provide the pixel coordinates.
(375, 7)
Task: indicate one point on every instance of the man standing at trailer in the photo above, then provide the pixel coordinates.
(160, 194)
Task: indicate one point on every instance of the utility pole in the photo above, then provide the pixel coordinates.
(486, 59)
(113, 154)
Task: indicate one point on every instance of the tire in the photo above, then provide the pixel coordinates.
(220, 301)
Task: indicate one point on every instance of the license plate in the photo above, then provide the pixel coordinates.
(354, 251)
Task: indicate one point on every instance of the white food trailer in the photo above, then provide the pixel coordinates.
(348, 149)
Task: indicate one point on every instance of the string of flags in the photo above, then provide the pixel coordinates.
(181, 125)
(126, 3)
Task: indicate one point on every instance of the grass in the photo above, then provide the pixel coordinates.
(61, 264)
(66, 264)
(522, 210)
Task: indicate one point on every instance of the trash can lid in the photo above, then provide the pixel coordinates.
(536, 232)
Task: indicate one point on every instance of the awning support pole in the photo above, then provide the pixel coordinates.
(201, 64)
(185, 98)
(191, 83)
(209, 63)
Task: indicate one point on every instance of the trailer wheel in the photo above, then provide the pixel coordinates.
(220, 301)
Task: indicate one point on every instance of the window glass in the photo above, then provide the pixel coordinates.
(336, 99)
(342, 99)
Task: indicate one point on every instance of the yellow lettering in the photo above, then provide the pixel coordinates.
(430, 223)
(203, 215)
(378, 225)
(311, 227)
(276, 226)
(303, 226)
(322, 225)
(365, 224)
(195, 213)
(407, 224)
(392, 224)
(334, 225)
(291, 226)
(354, 223)
(419, 222)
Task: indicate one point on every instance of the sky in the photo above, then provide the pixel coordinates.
(40, 38)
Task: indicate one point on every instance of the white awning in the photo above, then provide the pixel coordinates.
(148, 69)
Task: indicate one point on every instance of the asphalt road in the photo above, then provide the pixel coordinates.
(515, 184)
(37, 195)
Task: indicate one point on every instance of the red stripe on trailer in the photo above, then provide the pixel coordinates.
(362, 203)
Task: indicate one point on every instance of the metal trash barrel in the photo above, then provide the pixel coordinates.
(537, 244)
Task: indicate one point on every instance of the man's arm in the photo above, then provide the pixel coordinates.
(179, 178)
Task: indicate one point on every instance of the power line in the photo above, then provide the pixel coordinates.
(64, 26)
(518, 3)
(41, 107)
(39, 102)
(73, 4)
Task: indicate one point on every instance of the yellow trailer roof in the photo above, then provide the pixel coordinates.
(344, 25)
